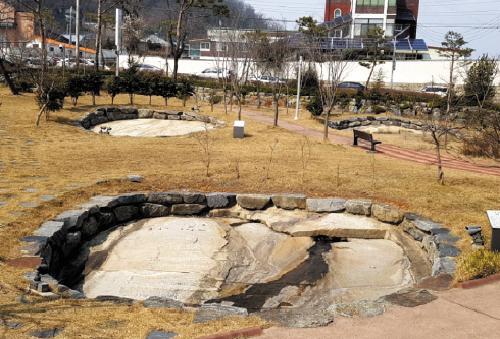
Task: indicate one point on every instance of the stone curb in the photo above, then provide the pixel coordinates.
(479, 282)
(103, 115)
(57, 249)
(243, 333)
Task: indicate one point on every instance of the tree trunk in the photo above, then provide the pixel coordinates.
(176, 66)
(98, 34)
(239, 108)
(131, 97)
(93, 99)
(370, 76)
(437, 144)
(8, 79)
(450, 86)
(326, 127)
(166, 101)
(276, 111)
(150, 99)
(40, 113)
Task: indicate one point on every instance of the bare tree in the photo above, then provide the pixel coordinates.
(374, 50)
(272, 55)
(332, 66)
(453, 49)
(181, 15)
(204, 141)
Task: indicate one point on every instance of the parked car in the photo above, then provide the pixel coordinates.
(214, 73)
(267, 79)
(436, 90)
(148, 68)
(351, 85)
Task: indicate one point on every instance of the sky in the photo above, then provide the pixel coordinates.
(477, 20)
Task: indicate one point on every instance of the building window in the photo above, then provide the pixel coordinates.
(366, 27)
(205, 46)
(222, 47)
(338, 13)
(337, 33)
(51, 49)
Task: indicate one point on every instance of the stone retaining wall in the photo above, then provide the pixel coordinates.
(375, 121)
(103, 115)
(58, 242)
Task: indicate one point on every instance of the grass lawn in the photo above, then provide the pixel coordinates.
(72, 164)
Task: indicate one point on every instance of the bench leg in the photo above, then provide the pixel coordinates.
(373, 148)
(355, 141)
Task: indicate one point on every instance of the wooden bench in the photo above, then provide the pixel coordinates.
(365, 136)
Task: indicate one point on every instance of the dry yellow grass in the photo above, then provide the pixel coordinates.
(60, 159)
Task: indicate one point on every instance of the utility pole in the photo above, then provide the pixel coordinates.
(77, 33)
(299, 79)
(118, 39)
(70, 23)
(394, 40)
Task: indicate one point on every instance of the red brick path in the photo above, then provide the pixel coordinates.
(421, 157)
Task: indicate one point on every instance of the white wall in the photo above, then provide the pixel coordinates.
(407, 72)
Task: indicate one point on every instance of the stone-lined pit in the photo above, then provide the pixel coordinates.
(282, 256)
(130, 121)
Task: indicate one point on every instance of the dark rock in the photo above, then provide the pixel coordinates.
(159, 302)
(221, 200)
(253, 201)
(145, 114)
(13, 325)
(188, 209)
(161, 335)
(445, 265)
(46, 333)
(410, 298)
(73, 241)
(445, 250)
(50, 281)
(166, 198)
(97, 202)
(126, 213)
(73, 219)
(424, 224)
(289, 201)
(128, 199)
(43, 287)
(154, 211)
(412, 230)
(325, 205)
(209, 312)
(48, 228)
(90, 227)
(193, 198)
(105, 220)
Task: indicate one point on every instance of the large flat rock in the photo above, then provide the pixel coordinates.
(338, 225)
(153, 127)
(165, 257)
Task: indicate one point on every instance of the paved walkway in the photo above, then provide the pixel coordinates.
(457, 313)
(421, 157)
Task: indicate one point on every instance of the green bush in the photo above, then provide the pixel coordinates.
(114, 87)
(74, 88)
(315, 106)
(185, 90)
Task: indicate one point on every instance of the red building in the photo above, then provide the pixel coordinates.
(336, 8)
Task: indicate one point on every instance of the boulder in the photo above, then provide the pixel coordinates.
(412, 230)
(188, 209)
(166, 198)
(159, 116)
(128, 199)
(424, 224)
(145, 113)
(325, 205)
(193, 198)
(126, 213)
(410, 297)
(446, 265)
(154, 211)
(362, 308)
(299, 317)
(135, 178)
(387, 213)
(289, 201)
(73, 241)
(221, 200)
(90, 227)
(210, 312)
(48, 228)
(253, 201)
(72, 219)
(359, 207)
(46, 333)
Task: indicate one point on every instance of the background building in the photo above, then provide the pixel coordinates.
(16, 27)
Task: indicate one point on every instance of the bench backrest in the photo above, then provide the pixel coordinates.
(363, 135)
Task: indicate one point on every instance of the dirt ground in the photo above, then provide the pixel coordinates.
(67, 165)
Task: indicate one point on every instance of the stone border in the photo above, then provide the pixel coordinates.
(57, 241)
(103, 115)
(375, 121)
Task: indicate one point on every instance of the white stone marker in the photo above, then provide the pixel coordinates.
(494, 217)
